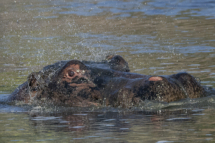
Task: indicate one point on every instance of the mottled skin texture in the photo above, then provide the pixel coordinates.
(109, 82)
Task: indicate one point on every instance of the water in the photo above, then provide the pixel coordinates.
(155, 37)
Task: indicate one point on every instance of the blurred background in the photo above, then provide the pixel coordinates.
(155, 37)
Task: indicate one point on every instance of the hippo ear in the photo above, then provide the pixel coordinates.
(33, 81)
(35, 85)
(117, 62)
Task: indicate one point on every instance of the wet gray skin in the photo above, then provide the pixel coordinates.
(109, 82)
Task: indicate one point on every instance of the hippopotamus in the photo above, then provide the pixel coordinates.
(77, 83)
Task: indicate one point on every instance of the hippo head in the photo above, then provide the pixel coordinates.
(75, 83)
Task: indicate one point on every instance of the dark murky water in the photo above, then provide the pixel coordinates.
(156, 37)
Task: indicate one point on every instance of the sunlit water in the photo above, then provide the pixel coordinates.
(156, 37)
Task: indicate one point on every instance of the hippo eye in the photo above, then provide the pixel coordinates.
(71, 73)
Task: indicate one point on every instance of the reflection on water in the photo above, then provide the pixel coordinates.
(155, 37)
(176, 126)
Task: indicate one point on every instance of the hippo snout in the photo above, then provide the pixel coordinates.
(171, 88)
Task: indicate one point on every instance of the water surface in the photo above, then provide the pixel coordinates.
(156, 38)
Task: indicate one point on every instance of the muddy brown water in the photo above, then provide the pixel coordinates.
(155, 37)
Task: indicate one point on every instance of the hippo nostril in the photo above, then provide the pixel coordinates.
(157, 78)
